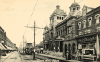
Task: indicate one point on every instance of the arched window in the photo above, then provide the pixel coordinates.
(84, 23)
(73, 9)
(57, 33)
(73, 46)
(61, 32)
(60, 18)
(97, 18)
(57, 17)
(69, 48)
(77, 8)
(51, 35)
(65, 49)
(89, 21)
(79, 25)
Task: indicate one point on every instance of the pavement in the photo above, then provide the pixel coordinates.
(17, 57)
(58, 56)
(11, 57)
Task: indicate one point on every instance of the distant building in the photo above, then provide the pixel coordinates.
(2, 35)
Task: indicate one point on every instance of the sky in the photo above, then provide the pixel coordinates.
(16, 14)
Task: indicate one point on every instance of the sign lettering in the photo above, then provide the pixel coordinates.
(87, 39)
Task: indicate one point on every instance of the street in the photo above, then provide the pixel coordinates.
(20, 57)
(16, 57)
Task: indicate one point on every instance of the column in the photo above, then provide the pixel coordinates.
(97, 47)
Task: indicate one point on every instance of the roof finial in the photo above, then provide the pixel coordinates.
(74, 1)
(57, 2)
(46, 23)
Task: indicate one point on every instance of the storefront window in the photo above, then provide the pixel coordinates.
(73, 48)
(87, 52)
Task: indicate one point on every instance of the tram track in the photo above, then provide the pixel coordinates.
(26, 58)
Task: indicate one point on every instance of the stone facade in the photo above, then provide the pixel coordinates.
(5, 39)
(78, 30)
(57, 16)
(88, 31)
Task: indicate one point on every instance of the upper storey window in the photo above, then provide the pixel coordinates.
(97, 18)
(79, 25)
(90, 21)
(84, 23)
(73, 9)
(69, 29)
(59, 18)
(62, 18)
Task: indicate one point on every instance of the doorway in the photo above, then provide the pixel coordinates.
(61, 46)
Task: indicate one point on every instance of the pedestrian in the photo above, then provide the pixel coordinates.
(77, 53)
(41, 50)
(66, 55)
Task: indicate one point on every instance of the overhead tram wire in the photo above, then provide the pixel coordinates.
(30, 16)
(36, 33)
(80, 1)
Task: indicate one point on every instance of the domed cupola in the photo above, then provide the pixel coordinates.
(74, 7)
(46, 28)
(74, 4)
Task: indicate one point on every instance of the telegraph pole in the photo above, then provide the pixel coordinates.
(34, 42)
(34, 37)
(23, 44)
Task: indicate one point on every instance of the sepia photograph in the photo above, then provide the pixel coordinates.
(49, 30)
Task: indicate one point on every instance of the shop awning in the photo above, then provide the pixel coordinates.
(9, 48)
(59, 39)
(2, 47)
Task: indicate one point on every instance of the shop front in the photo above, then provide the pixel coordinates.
(45, 45)
(59, 44)
(69, 49)
(88, 47)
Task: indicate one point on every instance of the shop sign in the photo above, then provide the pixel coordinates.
(2, 41)
(87, 39)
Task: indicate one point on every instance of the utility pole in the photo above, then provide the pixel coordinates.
(34, 37)
(23, 44)
(34, 42)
